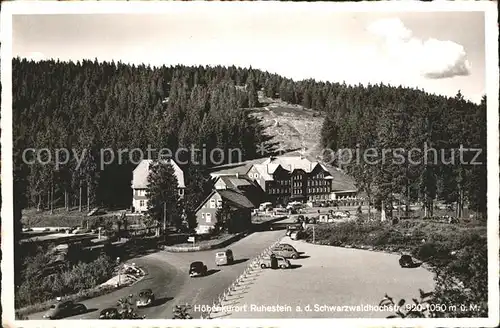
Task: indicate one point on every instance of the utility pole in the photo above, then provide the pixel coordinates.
(314, 235)
(164, 218)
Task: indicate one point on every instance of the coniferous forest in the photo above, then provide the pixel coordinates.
(94, 106)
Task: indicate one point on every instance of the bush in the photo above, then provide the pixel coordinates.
(38, 285)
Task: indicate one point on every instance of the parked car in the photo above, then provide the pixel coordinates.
(197, 269)
(296, 235)
(109, 313)
(146, 298)
(406, 261)
(64, 309)
(292, 228)
(286, 252)
(287, 246)
(265, 206)
(224, 258)
(283, 263)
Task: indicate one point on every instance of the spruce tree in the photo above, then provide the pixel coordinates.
(162, 194)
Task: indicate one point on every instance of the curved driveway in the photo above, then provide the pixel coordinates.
(168, 278)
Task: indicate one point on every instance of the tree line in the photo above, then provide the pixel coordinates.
(90, 106)
(441, 145)
(97, 105)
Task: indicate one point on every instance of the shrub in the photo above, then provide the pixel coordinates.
(38, 285)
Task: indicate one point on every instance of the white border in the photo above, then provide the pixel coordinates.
(51, 7)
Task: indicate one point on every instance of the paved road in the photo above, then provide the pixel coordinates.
(331, 276)
(168, 277)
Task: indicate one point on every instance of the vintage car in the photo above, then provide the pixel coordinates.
(109, 313)
(292, 228)
(146, 298)
(197, 269)
(285, 251)
(296, 235)
(281, 262)
(64, 309)
(224, 258)
(406, 261)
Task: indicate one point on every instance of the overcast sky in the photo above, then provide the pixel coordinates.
(439, 52)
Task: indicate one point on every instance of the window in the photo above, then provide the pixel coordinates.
(219, 203)
(209, 217)
(212, 203)
(141, 192)
(203, 216)
(181, 192)
(141, 203)
(250, 175)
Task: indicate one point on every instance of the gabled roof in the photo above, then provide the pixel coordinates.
(141, 172)
(205, 200)
(291, 163)
(262, 169)
(341, 181)
(238, 182)
(271, 168)
(231, 169)
(233, 197)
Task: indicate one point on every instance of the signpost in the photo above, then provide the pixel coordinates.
(191, 239)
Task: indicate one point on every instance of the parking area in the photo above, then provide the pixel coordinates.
(329, 282)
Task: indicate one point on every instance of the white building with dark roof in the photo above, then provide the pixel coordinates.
(292, 177)
(140, 183)
(287, 178)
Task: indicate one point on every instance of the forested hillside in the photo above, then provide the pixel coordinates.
(405, 123)
(91, 105)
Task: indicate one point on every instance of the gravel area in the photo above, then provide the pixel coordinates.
(328, 280)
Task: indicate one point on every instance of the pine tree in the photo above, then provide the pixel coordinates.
(251, 85)
(162, 194)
